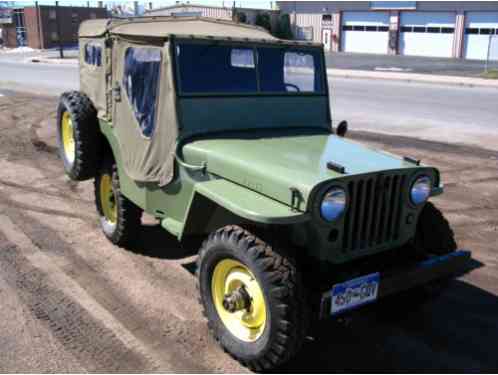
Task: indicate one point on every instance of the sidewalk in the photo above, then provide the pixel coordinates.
(414, 77)
(407, 64)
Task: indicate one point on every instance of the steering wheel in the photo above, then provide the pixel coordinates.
(291, 85)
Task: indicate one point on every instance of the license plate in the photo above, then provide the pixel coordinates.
(353, 293)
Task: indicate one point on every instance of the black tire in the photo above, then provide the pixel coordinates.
(434, 234)
(86, 135)
(287, 312)
(126, 228)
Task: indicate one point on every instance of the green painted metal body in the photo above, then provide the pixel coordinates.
(248, 179)
(265, 163)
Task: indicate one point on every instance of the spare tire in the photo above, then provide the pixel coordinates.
(78, 135)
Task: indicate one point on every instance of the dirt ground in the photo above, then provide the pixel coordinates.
(72, 302)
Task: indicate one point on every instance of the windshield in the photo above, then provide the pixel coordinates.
(234, 69)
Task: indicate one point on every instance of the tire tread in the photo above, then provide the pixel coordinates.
(286, 288)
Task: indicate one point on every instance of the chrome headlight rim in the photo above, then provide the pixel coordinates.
(330, 190)
(417, 180)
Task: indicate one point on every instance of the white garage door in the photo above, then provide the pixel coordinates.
(365, 32)
(427, 34)
(479, 26)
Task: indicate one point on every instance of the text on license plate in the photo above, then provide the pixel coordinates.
(354, 293)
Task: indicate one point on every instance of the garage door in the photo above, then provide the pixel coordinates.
(478, 28)
(427, 34)
(365, 32)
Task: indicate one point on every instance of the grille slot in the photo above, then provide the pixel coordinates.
(374, 213)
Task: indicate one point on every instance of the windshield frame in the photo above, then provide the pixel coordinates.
(248, 45)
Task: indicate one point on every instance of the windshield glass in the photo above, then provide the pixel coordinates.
(221, 68)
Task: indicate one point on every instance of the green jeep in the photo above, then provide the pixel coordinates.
(221, 131)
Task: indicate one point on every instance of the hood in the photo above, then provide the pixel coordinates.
(272, 165)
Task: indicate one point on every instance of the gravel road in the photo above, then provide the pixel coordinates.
(72, 302)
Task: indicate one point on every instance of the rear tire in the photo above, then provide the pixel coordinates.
(234, 251)
(78, 135)
(120, 218)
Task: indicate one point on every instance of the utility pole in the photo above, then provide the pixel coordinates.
(58, 23)
(38, 27)
(487, 55)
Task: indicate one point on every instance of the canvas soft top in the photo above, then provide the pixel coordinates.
(166, 26)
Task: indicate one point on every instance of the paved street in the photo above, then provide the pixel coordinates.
(38, 78)
(434, 112)
(428, 111)
(410, 64)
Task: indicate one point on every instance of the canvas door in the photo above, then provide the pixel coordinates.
(146, 142)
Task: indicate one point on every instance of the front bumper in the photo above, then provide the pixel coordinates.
(404, 278)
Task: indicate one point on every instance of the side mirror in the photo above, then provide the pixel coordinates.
(342, 128)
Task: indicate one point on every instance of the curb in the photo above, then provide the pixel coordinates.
(52, 61)
(413, 77)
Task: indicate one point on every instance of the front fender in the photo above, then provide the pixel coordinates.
(236, 200)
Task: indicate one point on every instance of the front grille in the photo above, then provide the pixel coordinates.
(374, 213)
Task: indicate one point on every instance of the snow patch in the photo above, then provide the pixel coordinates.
(20, 50)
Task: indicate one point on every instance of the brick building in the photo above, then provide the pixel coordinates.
(39, 27)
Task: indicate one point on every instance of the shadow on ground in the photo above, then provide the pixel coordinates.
(453, 332)
(413, 331)
(155, 242)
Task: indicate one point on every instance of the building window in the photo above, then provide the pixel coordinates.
(304, 33)
(430, 29)
(482, 31)
(54, 36)
(93, 54)
(141, 76)
(327, 18)
(52, 14)
(365, 28)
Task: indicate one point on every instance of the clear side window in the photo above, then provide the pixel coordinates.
(140, 80)
(93, 54)
(293, 71)
(299, 72)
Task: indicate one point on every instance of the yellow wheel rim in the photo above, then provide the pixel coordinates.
(108, 199)
(68, 137)
(229, 278)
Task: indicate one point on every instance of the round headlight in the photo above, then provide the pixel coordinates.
(421, 189)
(333, 204)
